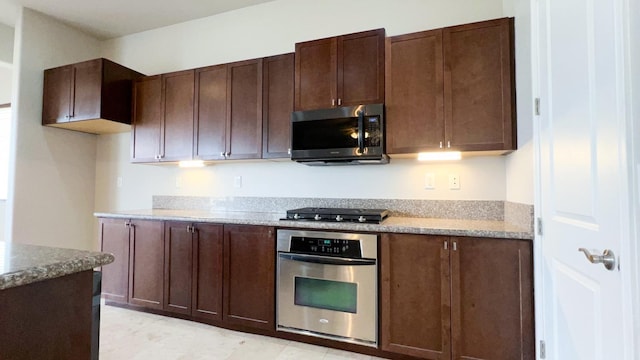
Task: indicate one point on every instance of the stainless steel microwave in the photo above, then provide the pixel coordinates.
(339, 136)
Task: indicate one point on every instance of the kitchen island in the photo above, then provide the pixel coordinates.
(46, 301)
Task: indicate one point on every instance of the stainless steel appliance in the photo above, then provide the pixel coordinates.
(327, 285)
(375, 216)
(339, 136)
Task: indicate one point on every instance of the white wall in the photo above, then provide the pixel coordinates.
(6, 59)
(5, 84)
(520, 164)
(51, 194)
(270, 29)
(6, 45)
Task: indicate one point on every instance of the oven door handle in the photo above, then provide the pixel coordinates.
(326, 260)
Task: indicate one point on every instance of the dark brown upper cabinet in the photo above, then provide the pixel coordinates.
(147, 119)
(340, 71)
(277, 105)
(228, 111)
(452, 88)
(92, 96)
(415, 92)
(177, 119)
(163, 117)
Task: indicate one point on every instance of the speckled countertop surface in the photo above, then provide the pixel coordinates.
(412, 225)
(22, 264)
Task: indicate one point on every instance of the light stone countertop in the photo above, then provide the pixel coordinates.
(22, 264)
(411, 225)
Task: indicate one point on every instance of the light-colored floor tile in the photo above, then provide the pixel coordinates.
(127, 334)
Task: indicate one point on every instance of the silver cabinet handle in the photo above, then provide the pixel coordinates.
(448, 144)
(339, 102)
(333, 102)
(289, 151)
(608, 258)
(440, 144)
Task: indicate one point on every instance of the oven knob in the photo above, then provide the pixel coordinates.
(339, 218)
(362, 219)
(296, 216)
(317, 217)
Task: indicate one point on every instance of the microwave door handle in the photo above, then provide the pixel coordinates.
(325, 260)
(360, 132)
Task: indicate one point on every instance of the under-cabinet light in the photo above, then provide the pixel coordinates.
(439, 156)
(191, 163)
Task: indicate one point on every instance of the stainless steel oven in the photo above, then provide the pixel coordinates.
(327, 285)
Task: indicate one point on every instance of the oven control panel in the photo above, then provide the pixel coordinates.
(326, 246)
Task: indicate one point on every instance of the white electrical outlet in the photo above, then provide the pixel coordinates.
(119, 181)
(430, 181)
(454, 182)
(237, 182)
(178, 182)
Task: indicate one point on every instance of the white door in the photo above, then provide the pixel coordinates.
(583, 178)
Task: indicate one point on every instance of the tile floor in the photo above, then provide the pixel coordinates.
(132, 335)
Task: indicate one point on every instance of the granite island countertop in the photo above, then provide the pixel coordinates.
(22, 264)
(411, 225)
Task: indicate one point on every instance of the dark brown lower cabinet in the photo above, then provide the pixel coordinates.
(206, 294)
(193, 269)
(146, 264)
(114, 234)
(415, 296)
(456, 298)
(178, 267)
(249, 276)
(492, 299)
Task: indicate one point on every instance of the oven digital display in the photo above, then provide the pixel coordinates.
(326, 294)
(326, 247)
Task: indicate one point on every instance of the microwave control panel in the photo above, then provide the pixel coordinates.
(326, 246)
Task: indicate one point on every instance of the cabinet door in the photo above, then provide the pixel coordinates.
(249, 276)
(86, 90)
(244, 125)
(114, 237)
(56, 97)
(492, 299)
(206, 299)
(147, 119)
(146, 276)
(415, 94)
(361, 68)
(177, 120)
(277, 105)
(479, 86)
(211, 113)
(316, 74)
(178, 267)
(415, 295)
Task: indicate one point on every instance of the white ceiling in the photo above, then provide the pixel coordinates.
(107, 19)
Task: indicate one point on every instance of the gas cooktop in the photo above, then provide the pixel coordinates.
(371, 216)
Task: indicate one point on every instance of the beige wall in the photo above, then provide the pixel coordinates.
(51, 193)
(274, 28)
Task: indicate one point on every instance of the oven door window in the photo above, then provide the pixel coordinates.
(326, 294)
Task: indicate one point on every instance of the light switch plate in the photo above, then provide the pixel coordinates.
(429, 181)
